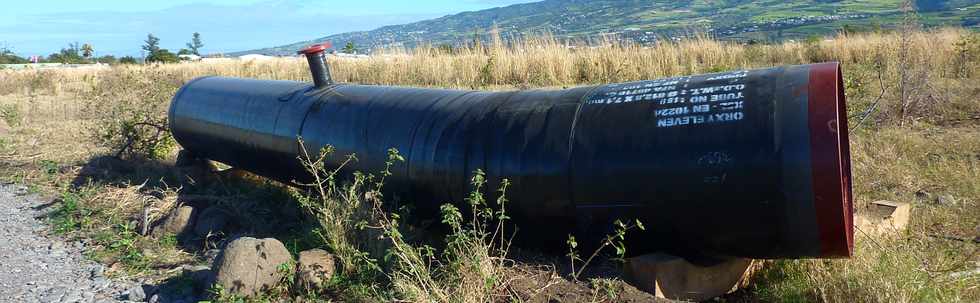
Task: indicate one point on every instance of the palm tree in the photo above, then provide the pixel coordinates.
(87, 51)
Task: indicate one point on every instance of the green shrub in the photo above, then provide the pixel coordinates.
(11, 114)
(129, 108)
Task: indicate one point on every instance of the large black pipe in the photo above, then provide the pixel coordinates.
(745, 163)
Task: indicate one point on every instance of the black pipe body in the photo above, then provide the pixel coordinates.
(746, 163)
(318, 67)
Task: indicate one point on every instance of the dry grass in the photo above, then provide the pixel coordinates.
(930, 158)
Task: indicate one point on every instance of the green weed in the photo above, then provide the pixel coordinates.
(616, 240)
(71, 215)
(10, 113)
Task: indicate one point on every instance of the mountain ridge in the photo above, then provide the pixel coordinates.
(649, 21)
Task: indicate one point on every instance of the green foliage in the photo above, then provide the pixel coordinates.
(194, 47)
(107, 59)
(69, 55)
(128, 60)
(10, 113)
(353, 217)
(606, 288)
(616, 240)
(349, 48)
(967, 55)
(341, 215)
(70, 214)
(129, 110)
(162, 56)
(485, 77)
(87, 50)
(786, 281)
(49, 167)
(8, 57)
(168, 240)
(151, 44)
(155, 54)
(5, 146)
(123, 243)
(468, 267)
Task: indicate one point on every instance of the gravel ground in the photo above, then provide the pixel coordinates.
(37, 267)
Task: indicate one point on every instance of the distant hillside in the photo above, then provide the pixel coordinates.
(648, 21)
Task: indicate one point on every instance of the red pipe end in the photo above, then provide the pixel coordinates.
(831, 160)
(315, 48)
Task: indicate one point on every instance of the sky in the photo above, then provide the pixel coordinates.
(119, 27)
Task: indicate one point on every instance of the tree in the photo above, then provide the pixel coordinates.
(184, 51)
(155, 53)
(8, 57)
(349, 48)
(107, 59)
(162, 56)
(87, 51)
(195, 45)
(152, 44)
(128, 60)
(69, 55)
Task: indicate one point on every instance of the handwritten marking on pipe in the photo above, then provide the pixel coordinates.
(715, 159)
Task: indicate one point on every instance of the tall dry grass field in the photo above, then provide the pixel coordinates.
(921, 146)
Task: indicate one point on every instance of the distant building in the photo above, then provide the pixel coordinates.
(255, 57)
(216, 60)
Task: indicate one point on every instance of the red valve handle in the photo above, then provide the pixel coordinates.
(315, 48)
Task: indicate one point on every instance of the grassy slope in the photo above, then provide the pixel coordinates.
(579, 19)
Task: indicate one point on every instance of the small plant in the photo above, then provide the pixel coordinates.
(5, 144)
(220, 294)
(288, 272)
(168, 240)
(486, 75)
(70, 215)
(604, 288)
(614, 240)
(129, 110)
(49, 167)
(967, 53)
(124, 244)
(10, 113)
(468, 268)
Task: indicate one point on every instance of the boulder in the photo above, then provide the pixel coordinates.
(179, 222)
(248, 266)
(315, 267)
(675, 278)
(136, 294)
(883, 218)
(210, 221)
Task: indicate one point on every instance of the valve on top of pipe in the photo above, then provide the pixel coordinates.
(318, 64)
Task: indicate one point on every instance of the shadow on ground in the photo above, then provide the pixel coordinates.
(257, 207)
